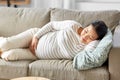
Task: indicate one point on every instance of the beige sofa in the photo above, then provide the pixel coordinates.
(14, 21)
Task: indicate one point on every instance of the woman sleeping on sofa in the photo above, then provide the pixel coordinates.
(55, 40)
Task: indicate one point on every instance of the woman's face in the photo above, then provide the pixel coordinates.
(88, 34)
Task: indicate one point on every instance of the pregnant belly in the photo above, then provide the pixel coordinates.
(46, 47)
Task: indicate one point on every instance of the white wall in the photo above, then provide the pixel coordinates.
(91, 5)
(98, 0)
(47, 3)
(67, 4)
(84, 5)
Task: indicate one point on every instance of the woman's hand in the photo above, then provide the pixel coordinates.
(33, 44)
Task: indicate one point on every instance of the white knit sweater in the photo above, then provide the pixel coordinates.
(59, 39)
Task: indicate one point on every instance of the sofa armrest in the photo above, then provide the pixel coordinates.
(114, 64)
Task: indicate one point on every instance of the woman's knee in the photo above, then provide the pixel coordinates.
(4, 44)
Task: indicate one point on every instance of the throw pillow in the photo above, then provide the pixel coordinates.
(88, 59)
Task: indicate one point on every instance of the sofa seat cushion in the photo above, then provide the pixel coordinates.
(63, 70)
(13, 69)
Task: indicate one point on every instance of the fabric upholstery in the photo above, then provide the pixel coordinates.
(111, 18)
(116, 37)
(63, 70)
(13, 69)
(114, 64)
(16, 20)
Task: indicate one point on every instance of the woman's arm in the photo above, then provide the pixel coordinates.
(51, 26)
(54, 26)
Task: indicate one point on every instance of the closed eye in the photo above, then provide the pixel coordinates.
(86, 31)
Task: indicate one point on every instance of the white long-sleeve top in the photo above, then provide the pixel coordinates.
(59, 39)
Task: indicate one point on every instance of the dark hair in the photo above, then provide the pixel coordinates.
(100, 27)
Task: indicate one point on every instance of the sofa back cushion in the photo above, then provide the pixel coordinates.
(16, 20)
(110, 17)
(116, 37)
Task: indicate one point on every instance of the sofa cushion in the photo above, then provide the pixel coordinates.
(13, 69)
(63, 70)
(16, 20)
(116, 37)
(110, 17)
